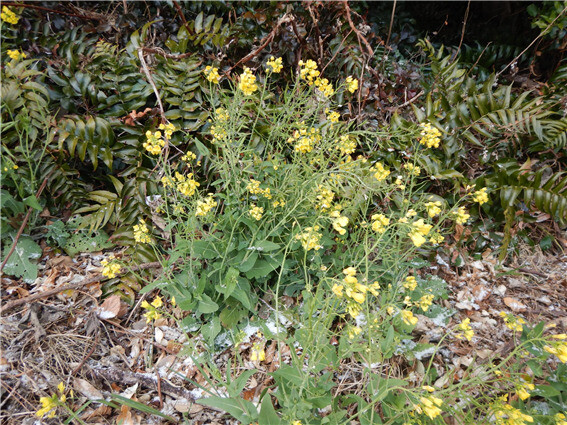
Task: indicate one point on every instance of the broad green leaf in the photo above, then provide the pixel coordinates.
(206, 305)
(22, 261)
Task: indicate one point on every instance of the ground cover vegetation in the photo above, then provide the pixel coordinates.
(272, 189)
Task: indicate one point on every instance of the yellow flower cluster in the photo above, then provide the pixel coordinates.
(413, 169)
(418, 232)
(221, 115)
(212, 74)
(168, 129)
(465, 330)
(332, 116)
(324, 198)
(324, 87)
(154, 142)
(508, 415)
(310, 238)
(278, 203)
(256, 212)
(436, 238)
(433, 208)
(8, 16)
(305, 139)
(346, 145)
(480, 196)
(560, 419)
(218, 130)
(109, 267)
(379, 223)
(339, 222)
(247, 82)
(308, 71)
(461, 215)
(558, 349)
(408, 318)
(204, 206)
(152, 313)
(351, 84)
(354, 331)
(274, 65)
(380, 172)
(16, 55)
(254, 188)
(353, 291)
(425, 302)
(512, 322)
(523, 390)
(50, 404)
(430, 405)
(189, 156)
(430, 136)
(410, 283)
(185, 184)
(141, 232)
(258, 354)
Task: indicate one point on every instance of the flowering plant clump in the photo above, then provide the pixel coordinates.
(290, 201)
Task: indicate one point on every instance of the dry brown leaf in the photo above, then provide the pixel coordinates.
(109, 308)
(86, 389)
(125, 417)
(100, 411)
(514, 305)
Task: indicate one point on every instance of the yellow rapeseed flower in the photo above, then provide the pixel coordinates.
(410, 283)
(308, 71)
(480, 196)
(256, 212)
(429, 405)
(461, 215)
(379, 223)
(247, 82)
(351, 84)
(9, 16)
(409, 318)
(559, 349)
(465, 329)
(430, 135)
(212, 74)
(346, 145)
(206, 205)
(258, 354)
(16, 55)
(380, 172)
(332, 116)
(141, 232)
(109, 267)
(324, 87)
(310, 238)
(274, 65)
(433, 208)
(154, 142)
